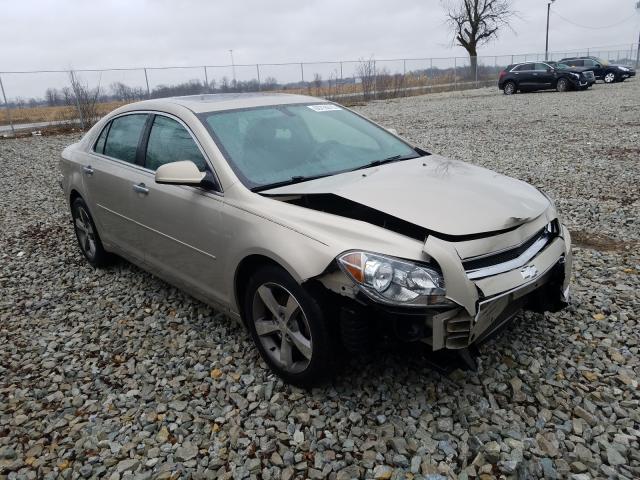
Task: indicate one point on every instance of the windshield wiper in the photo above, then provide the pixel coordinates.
(391, 159)
(291, 181)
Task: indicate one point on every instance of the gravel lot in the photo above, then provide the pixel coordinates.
(115, 374)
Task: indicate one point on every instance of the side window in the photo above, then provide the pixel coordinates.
(124, 135)
(99, 146)
(171, 142)
(525, 67)
(541, 67)
(590, 63)
(577, 63)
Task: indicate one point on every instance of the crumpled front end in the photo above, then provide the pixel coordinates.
(488, 281)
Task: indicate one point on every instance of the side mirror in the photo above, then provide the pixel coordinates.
(549, 69)
(181, 173)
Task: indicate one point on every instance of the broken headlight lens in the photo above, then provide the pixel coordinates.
(395, 281)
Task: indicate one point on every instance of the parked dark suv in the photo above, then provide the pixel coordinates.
(530, 76)
(602, 69)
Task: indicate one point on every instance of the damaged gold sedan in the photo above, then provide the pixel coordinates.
(313, 225)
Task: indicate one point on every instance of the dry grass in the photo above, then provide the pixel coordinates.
(349, 92)
(50, 114)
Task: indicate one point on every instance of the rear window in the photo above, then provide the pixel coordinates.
(124, 136)
(99, 146)
(524, 67)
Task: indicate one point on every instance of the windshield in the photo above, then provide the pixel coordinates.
(561, 66)
(280, 144)
(602, 62)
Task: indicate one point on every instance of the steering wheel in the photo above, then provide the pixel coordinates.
(321, 150)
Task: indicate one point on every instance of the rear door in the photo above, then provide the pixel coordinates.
(595, 67)
(113, 168)
(184, 234)
(542, 76)
(524, 75)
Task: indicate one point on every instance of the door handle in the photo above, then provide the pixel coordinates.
(141, 188)
(88, 169)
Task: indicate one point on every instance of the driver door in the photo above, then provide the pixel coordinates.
(543, 75)
(185, 238)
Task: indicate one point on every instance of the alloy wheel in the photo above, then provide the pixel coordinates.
(282, 327)
(85, 233)
(562, 85)
(509, 88)
(609, 77)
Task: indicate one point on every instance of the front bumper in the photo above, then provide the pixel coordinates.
(540, 285)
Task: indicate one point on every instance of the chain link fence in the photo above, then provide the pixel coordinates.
(37, 100)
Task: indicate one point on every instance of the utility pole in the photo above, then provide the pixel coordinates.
(638, 51)
(546, 45)
(638, 48)
(233, 68)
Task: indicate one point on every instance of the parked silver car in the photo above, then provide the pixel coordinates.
(315, 226)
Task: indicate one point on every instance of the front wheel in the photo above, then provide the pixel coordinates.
(609, 77)
(562, 85)
(288, 327)
(509, 88)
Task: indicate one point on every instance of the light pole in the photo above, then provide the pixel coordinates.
(233, 67)
(638, 52)
(546, 45)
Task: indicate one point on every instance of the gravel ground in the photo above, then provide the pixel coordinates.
(115, 374)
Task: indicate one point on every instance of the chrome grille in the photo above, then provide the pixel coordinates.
(510, 259)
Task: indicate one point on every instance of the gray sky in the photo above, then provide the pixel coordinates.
(65, 34)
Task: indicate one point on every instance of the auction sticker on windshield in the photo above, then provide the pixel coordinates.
(325, 107)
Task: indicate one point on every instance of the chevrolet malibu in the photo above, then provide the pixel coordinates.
(314, 226)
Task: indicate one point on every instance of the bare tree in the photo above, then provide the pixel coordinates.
(476, 22)
(85, 99)
(125, 93)
(52, 97)
(366, 70)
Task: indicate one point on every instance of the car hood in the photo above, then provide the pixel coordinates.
(446, 197)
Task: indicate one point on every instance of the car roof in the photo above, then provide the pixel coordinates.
(226, 101)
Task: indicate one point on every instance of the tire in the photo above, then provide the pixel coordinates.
(562, 85)
(609, 77)
(288, 327)
(87, 235)
(509, 88)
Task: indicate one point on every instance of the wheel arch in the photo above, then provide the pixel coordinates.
(245, 268)
(73, 195)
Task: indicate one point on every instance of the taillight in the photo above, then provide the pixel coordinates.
(502, 74)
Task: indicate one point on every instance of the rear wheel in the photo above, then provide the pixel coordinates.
(562, 85)
(609, 77)
(510, 88)
(288, 327)
(87, 235)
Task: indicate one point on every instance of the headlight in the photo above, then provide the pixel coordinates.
(393, 281)
(577, 75)
(624, 69)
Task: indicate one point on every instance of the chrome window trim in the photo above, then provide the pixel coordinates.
(144, 169)
(523, 259)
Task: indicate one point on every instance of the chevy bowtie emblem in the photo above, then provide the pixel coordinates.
(529, 271)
